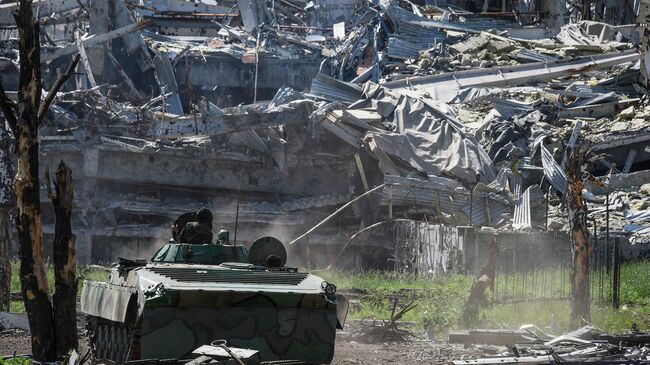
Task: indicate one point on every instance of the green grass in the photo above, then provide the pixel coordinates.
(17, 306)
(635, 283)
(553, 316)
(15, 361)
(83, 273)
(441, 301)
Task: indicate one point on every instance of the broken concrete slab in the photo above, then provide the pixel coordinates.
(93, 40)
(598, 110)
(472, 45)
(444, 87)
(174, 126)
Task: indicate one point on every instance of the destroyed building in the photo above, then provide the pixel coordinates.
(450, 115)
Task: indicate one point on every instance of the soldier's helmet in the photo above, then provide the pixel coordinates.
(204, 216)
(223, 237)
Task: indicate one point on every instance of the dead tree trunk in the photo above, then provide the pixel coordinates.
(7, 202)
(577, 210)
(65, 293)
(26, 186)
(5, 261)
(24, 118)
(484, 280)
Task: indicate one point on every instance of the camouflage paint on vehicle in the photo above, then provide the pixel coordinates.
(282, 332)
(284, 314)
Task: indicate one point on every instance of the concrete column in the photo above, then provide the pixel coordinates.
(553, 11)
(643, 19)
(100, 15)
(85, 235)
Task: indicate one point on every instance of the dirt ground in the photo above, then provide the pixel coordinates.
(398, 353)
(352, 347)
(356, 345)
(14, 342)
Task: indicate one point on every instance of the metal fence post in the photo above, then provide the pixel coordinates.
(471, 206)
(616, 274)
(390, 202)
(546, 214)
(608, 252)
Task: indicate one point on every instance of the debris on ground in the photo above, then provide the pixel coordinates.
(532, 345)
(218, 352)
(388, 330)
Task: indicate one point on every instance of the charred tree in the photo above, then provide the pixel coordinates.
(25, 127)
(7, 202)
(65, 267)
(24, 118)
(5, 261)
(484, 280)
(577, 210)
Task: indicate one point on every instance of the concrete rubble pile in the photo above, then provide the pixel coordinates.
(274, 114)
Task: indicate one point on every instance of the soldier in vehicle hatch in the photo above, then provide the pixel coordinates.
(223, 237)
(194, 228)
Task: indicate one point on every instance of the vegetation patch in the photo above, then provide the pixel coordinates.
(15, 361)
(440, 302)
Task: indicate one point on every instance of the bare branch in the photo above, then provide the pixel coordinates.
(48, 183)
(8, 108)
(60, 80)
(601, 183)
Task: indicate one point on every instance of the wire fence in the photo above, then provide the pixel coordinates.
(528, 266)
(530, 269)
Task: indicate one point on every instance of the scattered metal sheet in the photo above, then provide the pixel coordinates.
(553, 172)
(168, 85)
(334, 90)
(409, 23)
(444, 196)
(402, 49)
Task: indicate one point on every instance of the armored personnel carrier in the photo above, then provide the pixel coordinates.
(189, 295)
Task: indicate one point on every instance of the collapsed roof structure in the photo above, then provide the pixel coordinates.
(274, 114)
